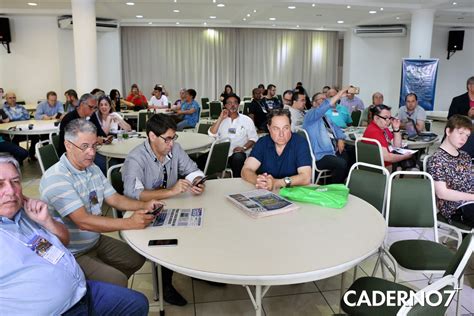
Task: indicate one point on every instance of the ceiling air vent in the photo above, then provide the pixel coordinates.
(380, 30)
(102, 25)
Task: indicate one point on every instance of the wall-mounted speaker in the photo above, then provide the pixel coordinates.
(455, 40)
(5, 35)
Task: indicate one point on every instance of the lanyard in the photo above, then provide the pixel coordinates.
(29, 245)
(165, 178)
(329, 129)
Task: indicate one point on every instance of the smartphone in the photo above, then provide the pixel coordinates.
(201, 181)
(157, 210)
(108, 140)
(354, 90)
(163, 242)
(58, 116)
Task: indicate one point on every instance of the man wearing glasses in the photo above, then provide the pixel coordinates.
(75, 189)
(85, 109)
(158, 169)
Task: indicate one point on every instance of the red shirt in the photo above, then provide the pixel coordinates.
(138, 101)
(375, 132)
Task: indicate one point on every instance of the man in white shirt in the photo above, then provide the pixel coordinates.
(158, 100)
(239, 129)
(412, 112)
(297, 110)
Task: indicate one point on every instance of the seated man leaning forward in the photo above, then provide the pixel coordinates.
(153, 170)
(281, 159)
(38, 274)
(75, 189)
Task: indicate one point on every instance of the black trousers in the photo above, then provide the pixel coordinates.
(236, 162)
(337, 164)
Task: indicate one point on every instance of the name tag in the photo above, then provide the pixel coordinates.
(93, 198)
(232, 130)
(335, 113)
(43, 248)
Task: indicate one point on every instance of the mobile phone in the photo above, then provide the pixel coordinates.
(108, 140)
(163, 242)
(354, 90)
(201, 181)
(58, 115)
(157, 210)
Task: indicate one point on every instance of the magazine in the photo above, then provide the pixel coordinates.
(403, 151)
(261, 203)
(175, 217)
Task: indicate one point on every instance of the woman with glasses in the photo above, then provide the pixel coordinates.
(109, 120)
(451, 170)
(378, 129)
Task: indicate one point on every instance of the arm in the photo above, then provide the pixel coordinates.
(397, 136)
(249, 170)
(302, 178)
(39, 113)
(420, 125)
(190, 111)
(389, 157)
(124, 203)
(444, 193)
(215, 127)
(24, 114)
(124, 125)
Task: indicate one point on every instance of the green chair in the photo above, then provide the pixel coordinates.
(143, 117)
(203, 128)
(247, 98)
(205, 107)
(411, 204)
(46, 154)
(356, 115)
(369, 150)
(322, 173)
(215, 109)
(452, 279)
(217, 159)
(54, 139)
(114, 175)
(246, 108)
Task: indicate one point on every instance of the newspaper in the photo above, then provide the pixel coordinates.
(261, 203)
(175, 217)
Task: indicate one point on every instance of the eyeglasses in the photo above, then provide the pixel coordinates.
(169, 139)
(84, 147)
(232, 103)
(385, 118)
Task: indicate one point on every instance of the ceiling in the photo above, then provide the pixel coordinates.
(306, 14)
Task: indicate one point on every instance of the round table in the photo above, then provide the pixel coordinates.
(190, 142)
(134, 114)
(40, 127)
(311, 243)
(359, 131)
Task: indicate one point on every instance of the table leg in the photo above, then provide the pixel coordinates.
(258, 300)
(160, 289)
(157, 283)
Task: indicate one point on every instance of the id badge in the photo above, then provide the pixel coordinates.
(390, 148)
(43, 248)
(93, 198)
(232, 130)
(335, 113)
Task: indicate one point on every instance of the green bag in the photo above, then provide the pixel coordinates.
(331, 195)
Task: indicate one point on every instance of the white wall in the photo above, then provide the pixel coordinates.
(42, 59)
(374, 64)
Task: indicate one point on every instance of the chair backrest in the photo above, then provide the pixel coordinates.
(247, 99)
(203, 128)
(46, 154)
(217, 158)
(411, 201)
(143, 117)
(356, 115)
(114, 175)
(425, 162)
(215, 109)
(305, 135)
(369, 150)
(205, 103)
(428, 124)
(54, 139)
(246, 108)
(376, 192)
(461, 257)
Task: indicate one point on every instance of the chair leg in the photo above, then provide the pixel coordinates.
(430, 279)
(155, 281)
(341, 292)
(458, 302)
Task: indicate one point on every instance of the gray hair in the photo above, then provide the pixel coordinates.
(86, 97)
(77, 126)
(6, 158)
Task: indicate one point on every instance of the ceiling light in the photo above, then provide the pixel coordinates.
(221, 5)
(381, 9)
(272, 19)
(297, 26)
(33, 4)
(175, 1)
(130, 3)
(177, 23)
(254, 11)
(212, 17)
(248, 15)
(340, 22)
(291, 7)
(454, 3)
(213, 1)
(150, 23)
(139, 16)
(313, 5)
(176, 11)
(372, 12)
(244, 19)
(205, 23)
(273, 24)
(348, 7)
(398, 18)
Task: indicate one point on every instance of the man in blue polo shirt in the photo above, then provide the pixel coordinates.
(281, 159)
(190, 109)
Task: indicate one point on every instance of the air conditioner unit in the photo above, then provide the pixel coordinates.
(102, 25)
(380, 30)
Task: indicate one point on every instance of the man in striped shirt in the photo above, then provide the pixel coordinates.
(75, 189)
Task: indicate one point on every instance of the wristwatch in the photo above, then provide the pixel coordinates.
(395, 130)
(245, 148)
(287, 181)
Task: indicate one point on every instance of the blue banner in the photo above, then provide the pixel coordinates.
(419, 77)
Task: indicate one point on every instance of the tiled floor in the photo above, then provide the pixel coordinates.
(313, 298)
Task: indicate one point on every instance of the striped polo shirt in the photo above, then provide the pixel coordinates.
(66, 189)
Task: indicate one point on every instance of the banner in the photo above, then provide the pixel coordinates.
(419, 77)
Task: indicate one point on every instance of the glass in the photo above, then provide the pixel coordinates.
(385, 118)
(169, 139)
(125, 135)
(84, 147)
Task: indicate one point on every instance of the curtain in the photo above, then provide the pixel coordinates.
(208, 59)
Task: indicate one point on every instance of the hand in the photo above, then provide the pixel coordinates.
(37, 210)
(140, 219)
(152, 205)
(238, 149)
(396, 123)
(265, 181)
(340, 145)
(470, 113)
(181, 186)
(198, 189)
(224, 114)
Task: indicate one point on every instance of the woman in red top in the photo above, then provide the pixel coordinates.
(137, 98)
(378, 129)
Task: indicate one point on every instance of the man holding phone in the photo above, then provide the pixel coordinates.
(158, 169)
(51, 109)
(351, 102)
